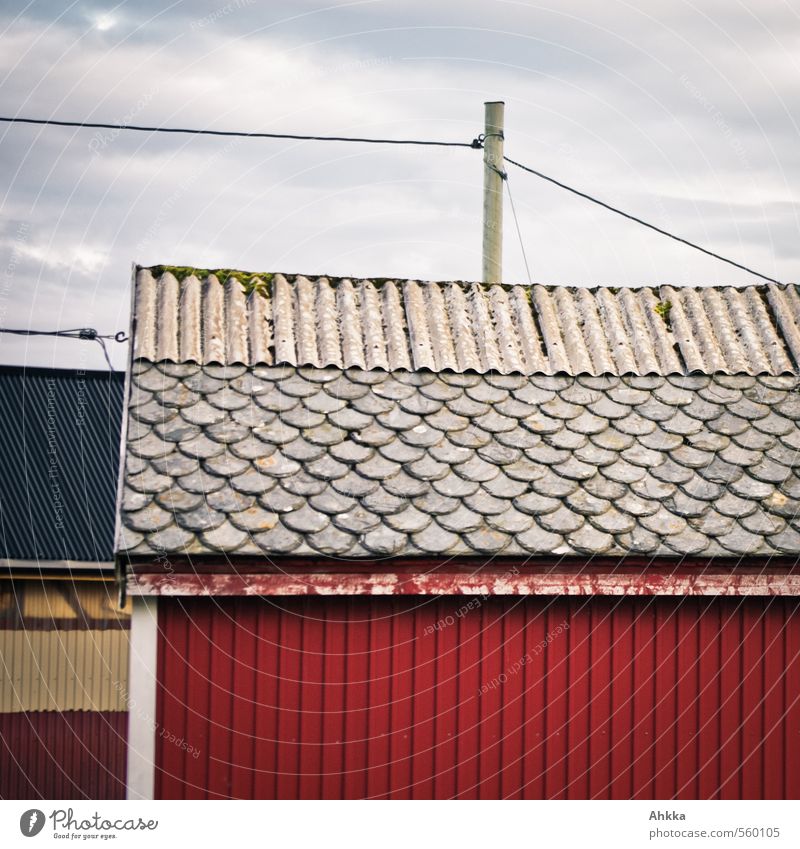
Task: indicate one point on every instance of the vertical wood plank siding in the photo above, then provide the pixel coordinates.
(419, 698)
(63, 755)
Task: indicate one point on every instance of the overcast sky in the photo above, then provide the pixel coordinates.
(685, 114)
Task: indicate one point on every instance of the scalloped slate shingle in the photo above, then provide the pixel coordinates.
(355, 463)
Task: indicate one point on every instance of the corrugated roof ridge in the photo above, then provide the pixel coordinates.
(237, 317)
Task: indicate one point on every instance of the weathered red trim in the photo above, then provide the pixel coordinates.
(743, 582)
(248, 564)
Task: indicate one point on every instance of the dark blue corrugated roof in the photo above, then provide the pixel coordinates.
(59, 459)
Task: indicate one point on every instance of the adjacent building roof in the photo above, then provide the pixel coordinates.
(419, 433)
(59, 455)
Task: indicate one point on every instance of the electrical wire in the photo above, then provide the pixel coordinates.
(639, 220)
(519, 232)
(88, 334)
(475, 143)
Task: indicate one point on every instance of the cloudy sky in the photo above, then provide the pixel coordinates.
(683, 113)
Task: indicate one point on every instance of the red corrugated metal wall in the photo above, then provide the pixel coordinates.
(63, 755)
(598, 697)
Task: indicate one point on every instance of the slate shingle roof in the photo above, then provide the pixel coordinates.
(411, 325)
(365, 463)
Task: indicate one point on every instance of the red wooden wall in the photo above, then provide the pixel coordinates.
(63, 755)
(648, 697)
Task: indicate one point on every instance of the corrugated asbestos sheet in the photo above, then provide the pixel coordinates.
(531, 698)
(72, 755)
(59, 455)
(406, 324)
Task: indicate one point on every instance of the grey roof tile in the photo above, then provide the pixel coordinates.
(602, 487)
(564, 439)
(613, 439)
(491, 484)
(572, 468)
(378, 468)
(510, 521)
(224, 538)
(148, 519)
(589, 540)
(172, 465)
(483, 502)
(594, 455)
(302, 418)
(385, 541)
(608, 409)
(558, 408)
(537, 540)
(787, 541)
(326, 468)
(625, 472)
(149, 481)
(278, 500)
(561, 520)
(251, 482)
(484, 391)
(684, 505)
(172, 540)
(639, 541)
(409, 520)
(275, 401)
(487, 540)
(530, 393)
(254, 519)
(176, 499)
(303, 451)
(397, 419)
(455, 486)
(688, 542)
(461, 520)
(399, 452)
(741, 541)
(404, 485)
(357, 520)
(349, 452)
(587, 423)
(470, 437)
(330, 501)
(613, 522)
(419, 405)
(436, 540)
(585, 503)
(673, 472)
(656, 411)
(227, 500)
(278, 540)
(305, 519)
(427, 469)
